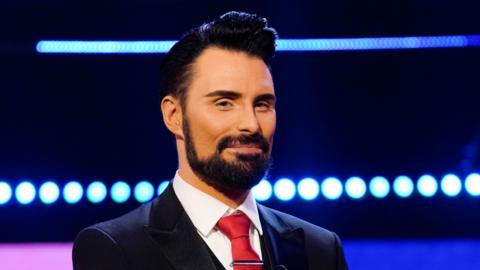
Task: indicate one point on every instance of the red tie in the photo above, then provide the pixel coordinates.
(236, 228)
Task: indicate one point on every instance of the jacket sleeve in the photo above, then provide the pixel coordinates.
(95, 249)
(341, 262)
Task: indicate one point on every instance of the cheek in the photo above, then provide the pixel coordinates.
(206, 130)
(268, 124)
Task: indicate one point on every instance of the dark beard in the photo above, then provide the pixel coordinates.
(244, 173)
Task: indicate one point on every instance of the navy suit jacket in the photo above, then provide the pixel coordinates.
(159, 235)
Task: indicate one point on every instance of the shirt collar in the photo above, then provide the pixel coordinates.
(205, 218)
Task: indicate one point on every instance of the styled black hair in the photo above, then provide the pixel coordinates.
(236, 31)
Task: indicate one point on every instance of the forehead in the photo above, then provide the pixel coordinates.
(222, 69)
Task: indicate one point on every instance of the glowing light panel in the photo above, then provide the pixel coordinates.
(284, 189)
(427, 185)
(308, 189)
(96, 192)
(25, 192)
(331, 188)
(143, 191)
(472, 184)
(161, 188)
(104, 47)
(262, 191)
(316, 44)
(5, 193)
(451, 185)
(49, 192)
(379, 187)
(403, 186)
(72, 192)
(355, 187)
(120, 192)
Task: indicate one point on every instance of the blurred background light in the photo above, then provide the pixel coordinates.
(355, 187)
(25, 192)
(308, 189)
(262, 191)
(375, 43)
(96, 192)
(451, 185)
(284, 189)
(107, 47)
(331, 188)
(72, 192)
(120, 192)
(379, 187)
(472, 184)
(427, 185)
(403, 186)
(161, 188)
(5, 193)
(49, 192)
(333, 44)
(143, 191)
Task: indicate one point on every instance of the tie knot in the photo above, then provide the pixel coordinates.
(234, 226)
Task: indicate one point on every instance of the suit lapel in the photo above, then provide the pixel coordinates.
(286, 243)
(174, 234)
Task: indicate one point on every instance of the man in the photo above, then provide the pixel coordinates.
(218, 100)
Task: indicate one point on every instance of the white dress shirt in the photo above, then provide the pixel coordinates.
(205, 211)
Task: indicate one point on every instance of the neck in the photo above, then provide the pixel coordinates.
(232, 198)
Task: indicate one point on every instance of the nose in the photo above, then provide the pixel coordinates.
(248, 122)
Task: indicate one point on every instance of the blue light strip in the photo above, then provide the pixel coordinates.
(282, 189)
(283, 45)
(104, 47)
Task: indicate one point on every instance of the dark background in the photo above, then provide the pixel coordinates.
(362, 113)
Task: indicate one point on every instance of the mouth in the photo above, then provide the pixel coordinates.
(245, 148)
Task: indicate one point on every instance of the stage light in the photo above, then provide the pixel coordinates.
(316, 44)
(331, 188)
(379, 187)
(49, 192)
(5, 193)
(355, 187)
(120, 192)
(96, 192)
(451, 185)
(25, 192)
(308, 189)
(104, 47)
(284, 189)
(262, 191)
(375, 43)
(403, 186)
(472, 184)
(161, 188)
(143, 191)
(427, 185)
(72, 192)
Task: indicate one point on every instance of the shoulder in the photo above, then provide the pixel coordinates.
(292, 221)
(314, 234)
(105, 245)
(324, 248)
(127, 224)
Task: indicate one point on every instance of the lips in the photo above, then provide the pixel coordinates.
(244, 143)
(246, 148)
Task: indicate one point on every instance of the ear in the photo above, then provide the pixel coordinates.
(172, 115)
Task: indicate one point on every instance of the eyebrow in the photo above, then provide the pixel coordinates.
(224, 93)
(235, 95)
(268, 97)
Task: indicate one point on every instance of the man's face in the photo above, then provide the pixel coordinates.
(230, 118)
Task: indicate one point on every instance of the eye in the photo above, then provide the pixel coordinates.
(263, 105)
(224, 104)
